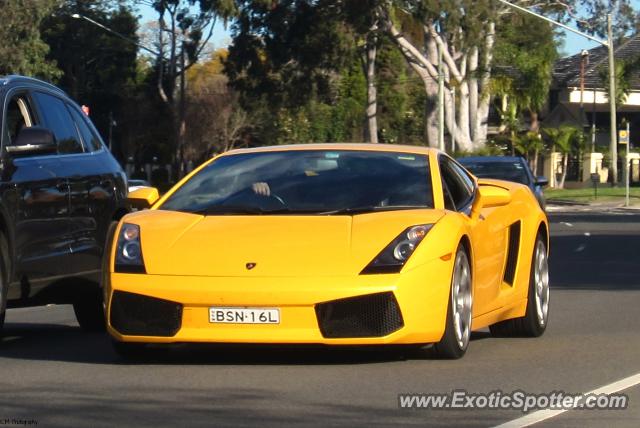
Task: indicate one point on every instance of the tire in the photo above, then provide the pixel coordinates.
(4, 279)
(457, 333)
(536, 318)
(89, 303)
(89, 309)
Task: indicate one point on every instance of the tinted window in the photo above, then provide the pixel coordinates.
(313, 181)
(458, 184)
(89, 138)
(58, 120)
(18, 116)
(510, 171)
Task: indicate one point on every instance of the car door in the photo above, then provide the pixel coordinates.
(41, 213)
(488, 236)
(93, 200)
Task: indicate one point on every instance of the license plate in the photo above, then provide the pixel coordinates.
(244, 315)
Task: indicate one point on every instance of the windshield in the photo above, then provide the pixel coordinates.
(510, 171)
(310, 181)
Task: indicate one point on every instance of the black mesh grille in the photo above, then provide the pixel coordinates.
(138, 315)
(512, 253)
(374, 315)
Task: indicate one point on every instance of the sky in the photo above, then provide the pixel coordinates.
(221, 37)
(573, 43)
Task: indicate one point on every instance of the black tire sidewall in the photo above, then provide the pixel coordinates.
(531, 318)
(4, 278)
(448, 347)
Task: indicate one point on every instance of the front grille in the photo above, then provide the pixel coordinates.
(138, 315)
(373, 315)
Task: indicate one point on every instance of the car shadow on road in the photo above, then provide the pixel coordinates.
(197, 405)
(50, 342)
(595, 262)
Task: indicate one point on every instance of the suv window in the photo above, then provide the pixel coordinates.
(58, 119)
(18, 116)
(458, 186)
(89, 138)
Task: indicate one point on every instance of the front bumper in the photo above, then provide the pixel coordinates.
(421, 294)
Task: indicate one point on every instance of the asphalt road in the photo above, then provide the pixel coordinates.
(55, 375)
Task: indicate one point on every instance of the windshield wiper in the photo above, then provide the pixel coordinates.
(372, 208)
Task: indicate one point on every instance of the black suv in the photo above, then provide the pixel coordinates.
(60, 193)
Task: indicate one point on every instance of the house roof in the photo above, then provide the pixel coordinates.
(566, 71)
(566, 114)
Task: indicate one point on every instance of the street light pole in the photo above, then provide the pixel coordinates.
(613, 143)
(613, 148)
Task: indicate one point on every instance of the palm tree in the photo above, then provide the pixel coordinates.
(563, 139)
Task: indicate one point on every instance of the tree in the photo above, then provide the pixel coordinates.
(525, 59)
(290, 48)
(564, 139)
(22, 50)
(625, 69)
(184, 30)
(217, 123)
(364, 20)
(299, 63)
(98, 68)
(529, 145)
(464, 31)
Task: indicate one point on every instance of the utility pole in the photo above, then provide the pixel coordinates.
(613, 144)
(613, 148)
(584, 58)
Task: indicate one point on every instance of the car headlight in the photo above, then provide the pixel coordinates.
(395, 255)
(129, 251)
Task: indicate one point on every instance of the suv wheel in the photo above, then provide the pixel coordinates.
(89, 310)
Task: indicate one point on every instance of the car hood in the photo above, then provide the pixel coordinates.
(175, 243)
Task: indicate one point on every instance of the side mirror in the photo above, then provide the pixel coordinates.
(542, 181)
(32, 141)
(489, 196)
(143, 198)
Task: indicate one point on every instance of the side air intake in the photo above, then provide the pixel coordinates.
(512, 253)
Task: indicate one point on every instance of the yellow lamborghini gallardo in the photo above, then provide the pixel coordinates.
(337, 244)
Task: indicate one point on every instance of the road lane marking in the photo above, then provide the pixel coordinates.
(567, 224)
(542, 415)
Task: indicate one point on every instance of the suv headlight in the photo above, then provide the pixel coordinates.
(394, 256)
(129, 250)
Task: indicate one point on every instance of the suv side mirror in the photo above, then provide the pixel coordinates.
(541, 181)
(32, 141)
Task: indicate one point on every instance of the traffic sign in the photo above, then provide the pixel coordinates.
(623, 136)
